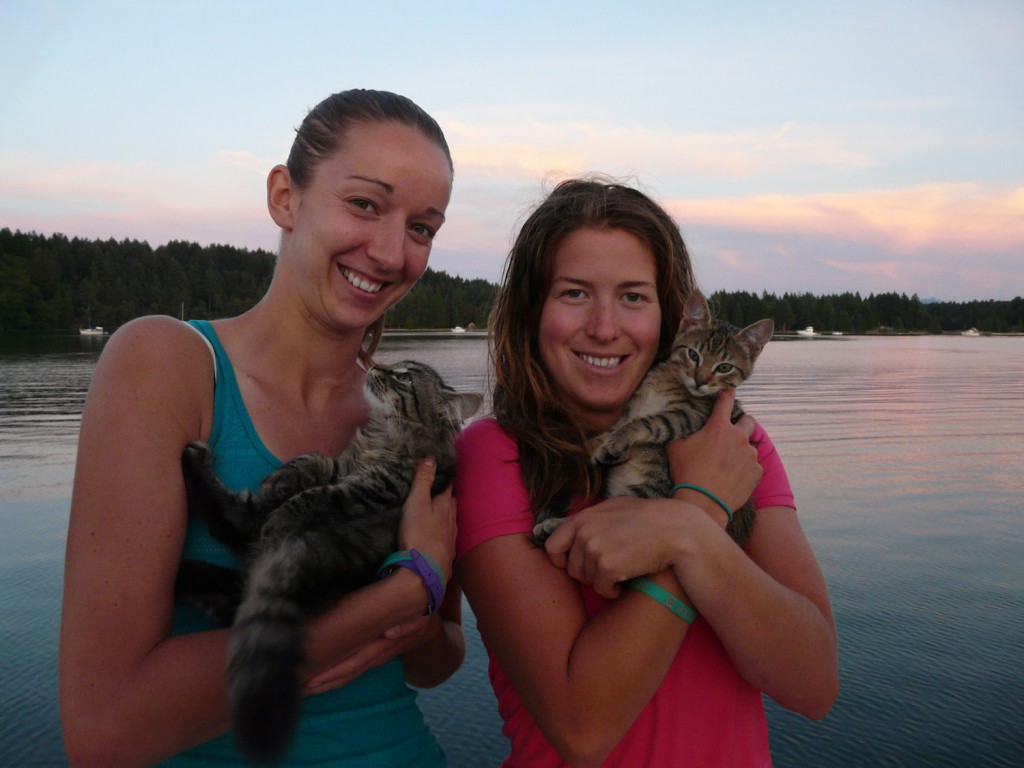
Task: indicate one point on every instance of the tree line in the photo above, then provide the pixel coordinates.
(56, 283)
(875, 313)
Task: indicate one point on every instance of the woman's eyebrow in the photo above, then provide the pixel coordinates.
(389, 189)
(587, 283)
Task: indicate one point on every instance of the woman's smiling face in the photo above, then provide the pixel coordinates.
(601, 321)
(360, 233)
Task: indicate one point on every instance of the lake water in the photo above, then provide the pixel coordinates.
(907, 458)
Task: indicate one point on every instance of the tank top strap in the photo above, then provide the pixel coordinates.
(241, 459)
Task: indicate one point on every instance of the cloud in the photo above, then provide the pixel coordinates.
(966, 218)
(911, 239)
(220, 200)
(528, 150)
(246, 160)
(887, 269)
(227, 174)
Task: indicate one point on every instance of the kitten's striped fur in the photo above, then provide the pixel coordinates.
(318, 527)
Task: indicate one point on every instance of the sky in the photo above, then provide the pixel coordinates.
(818, 147)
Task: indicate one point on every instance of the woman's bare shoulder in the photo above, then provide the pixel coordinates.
(156, 332)
(156, 365)
(155, 343)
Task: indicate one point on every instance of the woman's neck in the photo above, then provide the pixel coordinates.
(303, 388)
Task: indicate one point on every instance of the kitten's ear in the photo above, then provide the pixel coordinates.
(469, 403)
(696, 313)
(755, 336)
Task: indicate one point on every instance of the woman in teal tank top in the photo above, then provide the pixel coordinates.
(143, 680)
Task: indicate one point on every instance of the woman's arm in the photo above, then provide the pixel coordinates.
(770, 608)
(769, 604)
(583, 680)
(434, 647)
(130, 693)
(442, 647)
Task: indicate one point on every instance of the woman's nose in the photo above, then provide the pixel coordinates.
(602, 322)
(387, 247)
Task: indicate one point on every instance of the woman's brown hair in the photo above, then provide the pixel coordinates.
(551, 440)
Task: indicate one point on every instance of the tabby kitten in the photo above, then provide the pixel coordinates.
(317, 528)
(674, 400)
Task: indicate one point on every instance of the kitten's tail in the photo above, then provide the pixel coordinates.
(264, 655)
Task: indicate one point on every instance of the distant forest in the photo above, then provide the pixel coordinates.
(56, 283)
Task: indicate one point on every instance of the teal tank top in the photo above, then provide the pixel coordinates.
(373, 722)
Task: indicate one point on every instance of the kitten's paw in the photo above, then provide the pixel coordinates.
(541, 531)
(609, 453)
(197, 454)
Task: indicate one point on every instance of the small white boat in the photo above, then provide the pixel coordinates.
(93, 330)
(971, 332)
(458, 329)
(808, 331)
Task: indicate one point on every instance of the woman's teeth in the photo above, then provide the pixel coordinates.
(602, 362)
(361, 282)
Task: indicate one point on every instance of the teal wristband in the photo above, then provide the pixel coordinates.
(663, 596)
(706, 492)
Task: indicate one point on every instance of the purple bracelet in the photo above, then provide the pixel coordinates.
(423, 567)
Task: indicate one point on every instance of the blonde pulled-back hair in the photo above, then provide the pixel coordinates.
(527, 403)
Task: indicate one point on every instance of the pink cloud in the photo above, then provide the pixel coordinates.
(963, 217)
(891, 269)
(526, 150)
(222, 200)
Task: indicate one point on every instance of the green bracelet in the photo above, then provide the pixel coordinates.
(706, 492)
(663, 596)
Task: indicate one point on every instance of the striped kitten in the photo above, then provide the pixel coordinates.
(674, 400)
(317, 528)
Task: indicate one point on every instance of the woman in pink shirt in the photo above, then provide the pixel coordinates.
(587, 672)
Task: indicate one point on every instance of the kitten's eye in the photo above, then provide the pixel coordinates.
(694, 357)
(725, 368)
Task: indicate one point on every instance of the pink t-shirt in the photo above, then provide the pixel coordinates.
(703, 714)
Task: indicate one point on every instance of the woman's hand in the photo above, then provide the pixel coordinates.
(718, 457)
(376, 652)
(391, 611)
(626, 537)
(618, 539)
(428, 525)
